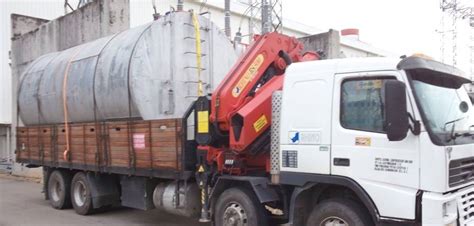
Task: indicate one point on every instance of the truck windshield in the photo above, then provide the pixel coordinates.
(448, 111)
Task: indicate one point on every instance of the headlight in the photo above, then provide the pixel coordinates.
(450, 214)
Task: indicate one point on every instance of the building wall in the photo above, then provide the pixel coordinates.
(43, 9)
(4, 143)
(351, 52)
(5, 95)
(33, 37)
(141, 12)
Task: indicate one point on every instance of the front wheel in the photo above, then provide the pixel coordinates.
(339, 212)
(239, 207)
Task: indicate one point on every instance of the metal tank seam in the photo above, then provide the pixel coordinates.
(38, 100)
(39, 83)
(95, 73)
(129, 127)
(20, 85)
(94, 101)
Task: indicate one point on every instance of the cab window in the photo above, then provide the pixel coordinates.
(362, 104)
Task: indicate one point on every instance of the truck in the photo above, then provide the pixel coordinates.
(285, 138)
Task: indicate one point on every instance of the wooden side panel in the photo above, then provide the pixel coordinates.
(33, 143)
(60, 144)
(145, 144)
(166, 143)
(46, 144)
(118, 145)
(22, 143)
(77, 143)
(150, 145)
(92, 145)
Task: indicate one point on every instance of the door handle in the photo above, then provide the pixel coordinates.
(342, 162)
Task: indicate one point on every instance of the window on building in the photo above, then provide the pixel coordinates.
(362, 104)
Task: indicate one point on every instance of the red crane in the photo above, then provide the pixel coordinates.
(233, 126)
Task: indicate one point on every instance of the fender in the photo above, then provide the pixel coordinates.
(104, 189)
(305, 181)
(259, 185)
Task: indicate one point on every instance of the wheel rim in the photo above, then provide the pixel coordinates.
(235, 215)
(80, 193)
(334, 221)
(56, 191)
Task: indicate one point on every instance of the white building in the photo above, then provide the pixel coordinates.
(351, 46)
(141, 11)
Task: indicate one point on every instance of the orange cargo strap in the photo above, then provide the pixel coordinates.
(66, 114)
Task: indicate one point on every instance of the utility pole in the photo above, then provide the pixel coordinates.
(263, 16)
(227, 27)
(180, 5)
(254, 9)
(471, 46)
(267, 22)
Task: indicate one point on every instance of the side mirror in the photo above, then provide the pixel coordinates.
(396, 116)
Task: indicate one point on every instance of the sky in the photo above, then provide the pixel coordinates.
(398, 26)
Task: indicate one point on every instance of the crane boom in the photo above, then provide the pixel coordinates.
(236, 119)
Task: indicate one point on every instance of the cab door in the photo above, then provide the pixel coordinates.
(388, 171)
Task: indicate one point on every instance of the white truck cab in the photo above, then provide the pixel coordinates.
(399, 130)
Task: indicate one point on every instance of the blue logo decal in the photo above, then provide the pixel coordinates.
(296, 137)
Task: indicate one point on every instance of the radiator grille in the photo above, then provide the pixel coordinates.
(466, 206)
(461, 171)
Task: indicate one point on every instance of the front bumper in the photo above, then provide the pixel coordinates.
(455, 208)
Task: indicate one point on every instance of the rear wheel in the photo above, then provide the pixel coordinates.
(59, 184)
(339, 212)
(81, 194)
(239, 207)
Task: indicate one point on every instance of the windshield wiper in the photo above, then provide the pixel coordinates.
(453, 135)
(456, 135)
(468, 133)
(463, 134)
(455, 120)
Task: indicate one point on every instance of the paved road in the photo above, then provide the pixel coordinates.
(22, 203)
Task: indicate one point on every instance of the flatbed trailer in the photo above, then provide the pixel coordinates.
(150, 148)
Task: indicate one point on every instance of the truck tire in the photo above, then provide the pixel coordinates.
(59, 184)
(339, 212)
(239, 207)
(81, 194)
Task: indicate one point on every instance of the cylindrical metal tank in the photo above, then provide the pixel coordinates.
(147, 72)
